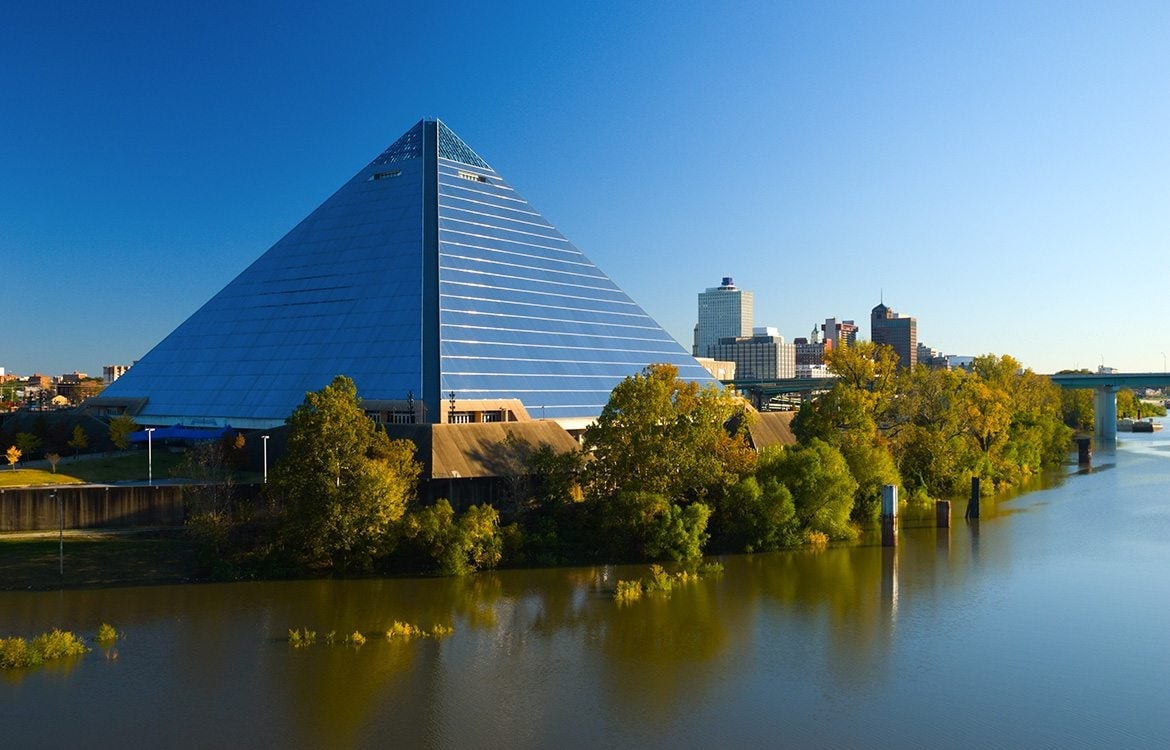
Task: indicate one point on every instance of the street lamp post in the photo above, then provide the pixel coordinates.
(150, 456)
(265, 439)
(61, 533)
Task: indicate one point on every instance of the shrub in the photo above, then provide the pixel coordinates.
(628, 591)
(302, 638)
(816, 539)
(662, 582)
(58, 644)
(15, 653)
(106, 633)
(401, 630)
(355, 638)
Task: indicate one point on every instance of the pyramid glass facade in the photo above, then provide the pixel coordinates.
(425, 274)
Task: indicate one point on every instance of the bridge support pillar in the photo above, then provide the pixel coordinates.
(1105, 413)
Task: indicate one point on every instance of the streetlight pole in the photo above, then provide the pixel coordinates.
(150, 456)
(265, 439)
(61, 532)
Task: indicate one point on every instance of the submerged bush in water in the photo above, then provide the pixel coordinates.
(628, 591)
(816, 539)
(106, 633)
(405, 630)
(58, 644)
(16, 652)
(661, 582)
(301, 638)
(401, 630)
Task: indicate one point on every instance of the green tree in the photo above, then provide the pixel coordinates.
(121, 427)
(758, 514)
(867, 382)
(1016, 419)
(342, 480)
(28, 443)
(664, 435)
(79, 441)
(871, 464)
(678, 533)
(822, 487)
(853, 416)
(454, 546)
(480, 541)
(1076, 405)
(663, 442)
(1131, 406)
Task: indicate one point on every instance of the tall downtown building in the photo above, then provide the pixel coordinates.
(725, 311)
(897, 331)
(428, 280)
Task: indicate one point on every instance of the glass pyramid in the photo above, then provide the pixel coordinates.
(425, 274)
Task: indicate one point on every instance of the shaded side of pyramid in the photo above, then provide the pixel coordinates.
(425, 278)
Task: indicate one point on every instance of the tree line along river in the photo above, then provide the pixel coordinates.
(1043, 624)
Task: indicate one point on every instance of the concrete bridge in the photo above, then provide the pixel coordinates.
(761, 392)
(1106, 385)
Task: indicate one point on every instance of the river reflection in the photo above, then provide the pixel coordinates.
(1042, 623)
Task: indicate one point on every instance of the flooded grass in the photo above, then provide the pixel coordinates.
(398, 631)
(661, 582)
(34, 561)
(17, 653)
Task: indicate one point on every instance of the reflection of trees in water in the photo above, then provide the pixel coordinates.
(834, 610)
(836, 597)
(655, 652)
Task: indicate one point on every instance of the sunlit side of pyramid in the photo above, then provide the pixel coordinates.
(426, 278)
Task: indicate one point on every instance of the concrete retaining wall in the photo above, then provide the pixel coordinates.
(86, 507)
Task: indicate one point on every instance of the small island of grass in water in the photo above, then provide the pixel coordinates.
(18, 653)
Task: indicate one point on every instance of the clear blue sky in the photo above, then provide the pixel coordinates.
(1001, 171)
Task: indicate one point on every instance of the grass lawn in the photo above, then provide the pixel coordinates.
(104, 470)
(33, 562)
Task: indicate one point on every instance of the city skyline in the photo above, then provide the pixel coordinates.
(997, 170)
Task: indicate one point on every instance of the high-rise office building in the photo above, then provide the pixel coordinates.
(839, 333)
(897, 331)
(725, 311)
(762, 356)
(428, 280)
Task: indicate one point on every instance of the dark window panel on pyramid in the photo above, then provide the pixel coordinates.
(425, 274)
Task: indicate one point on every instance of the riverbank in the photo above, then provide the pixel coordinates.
(845, 646)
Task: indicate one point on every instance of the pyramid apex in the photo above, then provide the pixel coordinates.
(410, 146)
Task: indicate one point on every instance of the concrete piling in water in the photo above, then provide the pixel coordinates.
(889, 515)
(942, 514)
(973, 503)
(1084, 451)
